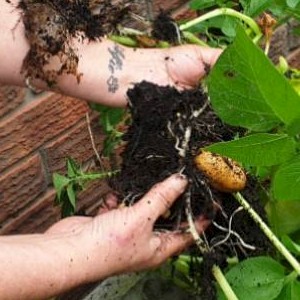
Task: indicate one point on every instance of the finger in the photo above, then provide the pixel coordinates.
(189, 63)
(197, 222)
(161, 197)
(110, 202)
(170, 244)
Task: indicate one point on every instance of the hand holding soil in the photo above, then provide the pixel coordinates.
(123, 240)
(105, 70)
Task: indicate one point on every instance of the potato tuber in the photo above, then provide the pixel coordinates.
(223, 173)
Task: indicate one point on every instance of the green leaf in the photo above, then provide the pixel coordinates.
(292, 3)
(60, 182)
(229, 26)
(234, 88)
(246, 89)
(284, 216)
(256, 278)
(292, 246)
(286, 182)
(201, 4)
(67, 209)
(109, 116)
(255, 7)
(72, 195)
(110, 143)
(291, 291)
(72, 167)
(261, 149)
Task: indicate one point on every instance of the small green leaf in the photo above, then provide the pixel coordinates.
(201, 4)
(291, 291)
(228, 26)
(255, 7)
(67, 209)
(60, 182)
(72, 195)
(72, 167)
(110, 143)
(292, 3)
(291, 245)
(260, 149)
(257, 278)
(286, 182)
(109, 116)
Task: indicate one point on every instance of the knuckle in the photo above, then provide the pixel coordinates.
(162, 197)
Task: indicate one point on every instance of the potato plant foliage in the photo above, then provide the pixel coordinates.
(247, 90)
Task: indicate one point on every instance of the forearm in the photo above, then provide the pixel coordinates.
(41, 266)
(107, 70)
(104, 65)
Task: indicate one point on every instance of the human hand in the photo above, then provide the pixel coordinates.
(109, 69)
(123, 240)
(181, 67)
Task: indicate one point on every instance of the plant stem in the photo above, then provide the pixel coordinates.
(191, 38)
(268, 232)
(226, 12)
(130, 31)
(291, 277)
(123, 40)
(224, 285)
(216, 271)
(94, 176)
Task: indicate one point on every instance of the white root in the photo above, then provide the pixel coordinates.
(232, 232)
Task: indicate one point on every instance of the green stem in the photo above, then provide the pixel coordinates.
(123, 40)
(291, 277)
(224, 285)
(191, 38)
(227, 12)
(94, 176)
(130, 31)
(268, 232)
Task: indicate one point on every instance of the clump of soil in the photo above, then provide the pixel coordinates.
(164, 28)
(50, 26)
(168, 129)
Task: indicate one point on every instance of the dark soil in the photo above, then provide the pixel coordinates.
(164, 28)
(50, 26)
(161, 117)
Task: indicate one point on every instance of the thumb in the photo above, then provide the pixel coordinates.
(189, 63)
(161, 197)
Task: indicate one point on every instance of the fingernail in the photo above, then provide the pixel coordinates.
(180, 181)
(180, 176)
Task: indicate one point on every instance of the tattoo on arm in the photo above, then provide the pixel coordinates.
(115, 64)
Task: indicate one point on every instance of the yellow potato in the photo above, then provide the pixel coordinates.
(223, 173)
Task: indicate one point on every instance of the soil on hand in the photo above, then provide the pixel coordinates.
(52, 25)
(167, 131)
